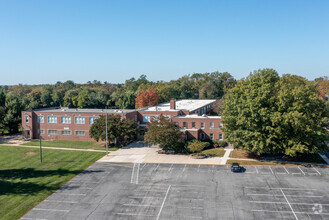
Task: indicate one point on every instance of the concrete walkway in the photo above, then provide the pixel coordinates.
(226, 156)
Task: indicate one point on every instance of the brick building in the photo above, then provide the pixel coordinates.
(65, 123)
(190, 116)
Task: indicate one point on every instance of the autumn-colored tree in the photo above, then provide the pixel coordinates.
(146, 98)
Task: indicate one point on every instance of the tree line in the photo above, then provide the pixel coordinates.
(95, 94)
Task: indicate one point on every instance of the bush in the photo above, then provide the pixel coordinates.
(218, 143)
(197, 146)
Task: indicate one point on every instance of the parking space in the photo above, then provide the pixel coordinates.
(288, 203)
(179, 191)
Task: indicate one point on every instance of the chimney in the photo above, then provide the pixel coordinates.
(173, 104)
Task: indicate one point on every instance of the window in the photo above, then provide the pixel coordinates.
(26, 119)
(79, 120)
(193, 124)
(92, 120)
(202, 136)
(41, 119)
(202, 124)
(176, 124)
(41, 131)
(184, 124)
(52, 132)
(146, 118)
(66, 120)
(135, 117)
(66, 132)
(220, 124)
(221, 137)
(52, 119)
(80, 133)
(211, 124)
(211, 136)
(156, 117)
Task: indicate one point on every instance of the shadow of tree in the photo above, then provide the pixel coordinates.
(15, 181)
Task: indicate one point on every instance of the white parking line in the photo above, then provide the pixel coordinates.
(286, 170)
(293, 203)
(141, 205)
(289, 204)
(70, 194)
(271, 170)
(252, 194)
(132, 173)
(256, 169)
(55, 210)
(184, 168)
(301, 170)
(143, 166)
(133, 214)
(137, 173)
(251, 187)
(164, 200)
(157, 167)
(307, 213)
(171, 167)
(317, 171)
(47, 200)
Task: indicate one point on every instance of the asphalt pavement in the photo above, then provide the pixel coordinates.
(179, 191)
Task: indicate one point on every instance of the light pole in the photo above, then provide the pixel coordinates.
(107, 146)
(40, 149)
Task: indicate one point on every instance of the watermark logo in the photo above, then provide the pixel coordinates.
(317, 208)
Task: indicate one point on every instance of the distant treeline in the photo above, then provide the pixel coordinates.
(95, 94)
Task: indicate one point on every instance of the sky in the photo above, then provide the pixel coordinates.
(48, 41)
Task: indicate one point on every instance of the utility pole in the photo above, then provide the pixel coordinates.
(40, 149)
(107, 146)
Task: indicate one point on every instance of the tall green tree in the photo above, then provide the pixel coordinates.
(164, 133)
(268, 114)
(123, 130)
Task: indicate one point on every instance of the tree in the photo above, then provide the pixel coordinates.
(164, 133)
(13, 106)
(146, 98)
(268, 114)
(122, 130)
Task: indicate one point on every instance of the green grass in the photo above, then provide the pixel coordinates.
(70, 144)
(25, 182)
(256, 162)
(215, 152)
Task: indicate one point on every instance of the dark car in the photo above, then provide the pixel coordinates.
(235, 167)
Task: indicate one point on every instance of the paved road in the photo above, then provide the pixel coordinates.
(178, 191)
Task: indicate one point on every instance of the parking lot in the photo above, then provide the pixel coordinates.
(178, 191)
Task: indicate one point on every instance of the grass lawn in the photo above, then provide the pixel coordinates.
(215, 152)
(70, 144)
(308, 158)
(25, 182)
(250, 162)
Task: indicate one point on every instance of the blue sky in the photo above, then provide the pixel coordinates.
(48, 41)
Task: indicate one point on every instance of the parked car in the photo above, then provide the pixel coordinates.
(235, 167)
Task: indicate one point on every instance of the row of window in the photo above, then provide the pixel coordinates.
(202, 125)
(211, 136)
(63, 132)
(64, 119)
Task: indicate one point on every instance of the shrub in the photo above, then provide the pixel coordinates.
(218, 143)
(197, 146)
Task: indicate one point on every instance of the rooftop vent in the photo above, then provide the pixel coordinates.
(204, 115)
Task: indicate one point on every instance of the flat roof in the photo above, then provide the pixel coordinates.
(84, 110)
(197, 116)
(184, 104)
